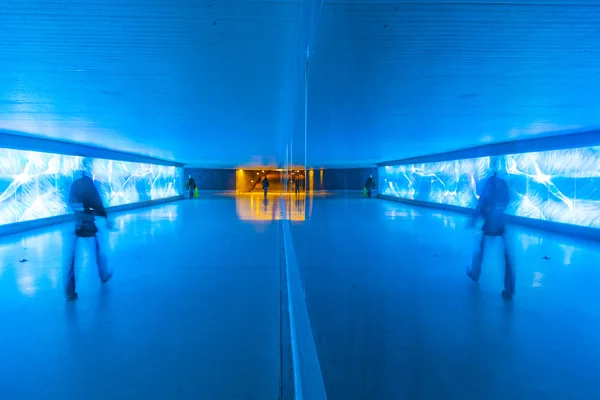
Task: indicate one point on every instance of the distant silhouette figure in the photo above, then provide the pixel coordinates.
(85, 202)
(265, 185)
(491, 207)
(191, 186)
(369, 185)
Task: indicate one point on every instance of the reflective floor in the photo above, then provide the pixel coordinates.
(254, 206)
(192, 311)
(395, 317)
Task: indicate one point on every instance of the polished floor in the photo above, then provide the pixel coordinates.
(192, 312)
(395, 317)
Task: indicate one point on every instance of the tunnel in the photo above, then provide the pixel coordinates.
(299, 199)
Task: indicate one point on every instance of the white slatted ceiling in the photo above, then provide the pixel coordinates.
(204, 82)
(394, 80)
(198, 82)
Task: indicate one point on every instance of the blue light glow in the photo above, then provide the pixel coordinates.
(36, 185)
(559, 186)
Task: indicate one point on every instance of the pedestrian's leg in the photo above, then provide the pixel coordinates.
(509, 272)
(69, 249)
(101, 258)
(369, 192)
(477, 261)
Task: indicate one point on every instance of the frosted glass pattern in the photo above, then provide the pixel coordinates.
(559, 185)
(36, 185)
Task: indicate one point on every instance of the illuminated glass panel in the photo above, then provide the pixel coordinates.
(559, 185)
(36, 185)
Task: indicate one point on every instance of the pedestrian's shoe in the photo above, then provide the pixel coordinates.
(470, 275)
(507, 295)
(107, 277)
(72, 296)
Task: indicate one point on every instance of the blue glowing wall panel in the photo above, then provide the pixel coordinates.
(36, 185)
(559, 186)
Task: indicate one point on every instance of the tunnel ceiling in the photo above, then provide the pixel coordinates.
(206, 82)
(200, 82)
(390, 80)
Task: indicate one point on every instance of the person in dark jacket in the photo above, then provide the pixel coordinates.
(297, 185)
(369, 185)
(191, 186)
(265, 185)
(85, 202)
(491, 207)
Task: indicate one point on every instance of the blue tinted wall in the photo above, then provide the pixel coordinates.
(212, 179)
(345, 179)
(557, 185)
(36, 185)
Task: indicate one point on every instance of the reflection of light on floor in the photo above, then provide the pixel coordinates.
(449, 221)
(568, 253)
(394, 213)
(254, 207)
(26, 284)
(166, 213)
(53, 275)
(537, 279)
(527, 240)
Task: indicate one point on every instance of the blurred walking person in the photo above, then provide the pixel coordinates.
(85, 202)
(491, 208)
(369, 185)
(191, 186)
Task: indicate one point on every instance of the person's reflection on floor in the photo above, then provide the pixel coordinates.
(85, 202)
(491, 207)
(266, 204)
(299, 204)
(265, 185)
